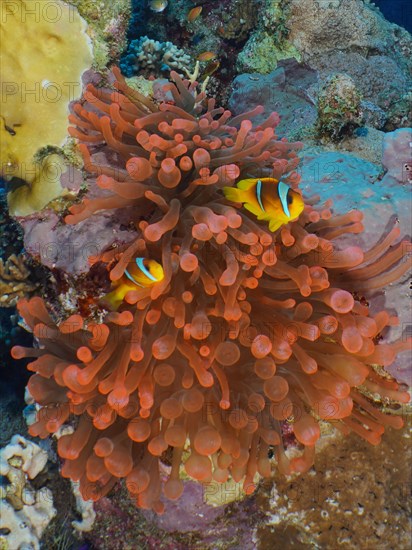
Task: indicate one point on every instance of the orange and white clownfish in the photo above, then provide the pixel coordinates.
(141, 273)
(268, 199)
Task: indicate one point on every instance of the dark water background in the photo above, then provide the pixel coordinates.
(397, 11)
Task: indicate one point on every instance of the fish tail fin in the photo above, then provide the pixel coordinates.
(232, 194)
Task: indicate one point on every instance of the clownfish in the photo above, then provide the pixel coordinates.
(142, 272)
(268, 199)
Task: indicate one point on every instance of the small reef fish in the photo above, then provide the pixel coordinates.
(268, 199)
(206, 56)
(194, 13)
(211, 68)
(158, 5)
(142, 272)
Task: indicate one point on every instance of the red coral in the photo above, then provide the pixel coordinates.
(247, 328)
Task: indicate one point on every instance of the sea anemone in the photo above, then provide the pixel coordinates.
(248, 332)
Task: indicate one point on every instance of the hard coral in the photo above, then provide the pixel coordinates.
(247, 330)
(153, 57)
(26, 509)
(39, 79)
(15, 280)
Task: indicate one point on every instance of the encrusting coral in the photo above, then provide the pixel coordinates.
(14, 280)
(39, 76)
(248, 333)
(25, 512)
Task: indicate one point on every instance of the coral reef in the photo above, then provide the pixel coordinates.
(236, 19)
(251, 339)
(220, 28)
(240, 365)
(355, 496)
(261, 55)
(107, 23)
(296, 86)
(372, 115)
(292, 85)
(339, 108)
(25, 511)
(154, 57)
(14, 280)
(400, 113)
(39, 79)
(352, 37)
(32, 196)
(268, 44)
(326, 37)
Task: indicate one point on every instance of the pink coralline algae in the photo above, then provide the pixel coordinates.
(249, 331)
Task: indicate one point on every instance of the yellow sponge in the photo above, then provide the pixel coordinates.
(45, 50)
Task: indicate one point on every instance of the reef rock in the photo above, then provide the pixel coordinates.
(352, 36)
(289, 90)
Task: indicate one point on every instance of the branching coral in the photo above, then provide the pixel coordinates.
(146, 54)
(248, 330)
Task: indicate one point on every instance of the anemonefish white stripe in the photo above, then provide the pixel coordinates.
(145, 271)
(259, 194)
(283, 195)
(140, 264)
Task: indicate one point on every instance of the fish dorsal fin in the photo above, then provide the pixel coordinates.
(283, 195)
(143, 268)
(246, 184)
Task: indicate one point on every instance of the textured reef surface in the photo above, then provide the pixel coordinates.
(174, 373)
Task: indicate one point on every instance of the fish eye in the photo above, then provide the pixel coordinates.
(290, 198)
